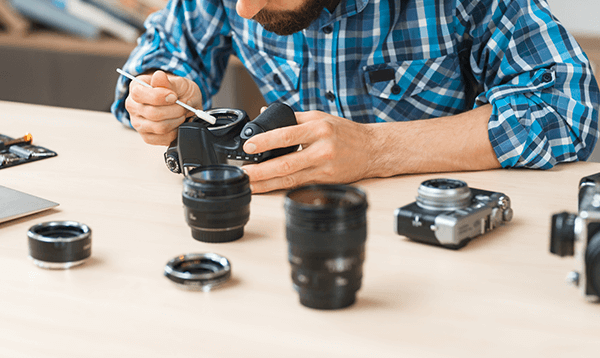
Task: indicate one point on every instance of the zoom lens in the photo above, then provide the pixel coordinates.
(217, 202)
(59, 244)
(443, 194)
(326, 230)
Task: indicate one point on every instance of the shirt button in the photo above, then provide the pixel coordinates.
(547, 77)
(328, 29)
(396, 89)
(277, 80)
(330, 96)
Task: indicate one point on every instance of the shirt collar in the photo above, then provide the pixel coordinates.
(348, 8)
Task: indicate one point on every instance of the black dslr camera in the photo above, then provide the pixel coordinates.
(448, 213)
(200, 144)
(579, 236)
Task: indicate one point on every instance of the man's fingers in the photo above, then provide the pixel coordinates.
(279, 138)
(158, 96)
(160, 79)
(278, 167)
(159, 139)
(303, 177)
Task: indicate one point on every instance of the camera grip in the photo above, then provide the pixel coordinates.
(277, 115)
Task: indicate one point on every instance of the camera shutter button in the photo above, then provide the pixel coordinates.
(248, 132)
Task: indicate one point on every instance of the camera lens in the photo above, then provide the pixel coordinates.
(217, 202)
(443, 194)
(59, 244)
(198, 271)
(562, 234)
(592, 262)
(326, 230)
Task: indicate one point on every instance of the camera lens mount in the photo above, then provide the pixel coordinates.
(198, 272)
(227, 118)
(443, 194)
(59, 244)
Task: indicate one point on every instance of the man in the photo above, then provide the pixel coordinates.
(500, 83)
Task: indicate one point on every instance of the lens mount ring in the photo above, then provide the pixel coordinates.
(198, 272)
(59, 244)
(218, 113)
(443, 194)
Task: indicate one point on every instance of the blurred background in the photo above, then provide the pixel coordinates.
(65, 52)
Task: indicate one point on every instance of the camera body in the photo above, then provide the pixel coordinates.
(448, 213)
(578, 235)
(200, 144)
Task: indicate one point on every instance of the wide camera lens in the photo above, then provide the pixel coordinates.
(443, 194)
(326, 229)
(217, 202)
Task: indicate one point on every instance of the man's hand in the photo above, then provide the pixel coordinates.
(153, 112)
(334, 150)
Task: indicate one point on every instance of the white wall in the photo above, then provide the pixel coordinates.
(578, 16)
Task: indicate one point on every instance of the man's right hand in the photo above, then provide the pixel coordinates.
(153, 112)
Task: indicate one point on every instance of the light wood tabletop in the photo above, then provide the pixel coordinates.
(503, 295)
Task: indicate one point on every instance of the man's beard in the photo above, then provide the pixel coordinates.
(288, 22)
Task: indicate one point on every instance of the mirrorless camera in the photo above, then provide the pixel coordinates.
(579, 235)
(200, 143)
(448, 213)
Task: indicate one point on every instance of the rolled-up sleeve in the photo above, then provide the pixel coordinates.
(539, 82)
(189, 38)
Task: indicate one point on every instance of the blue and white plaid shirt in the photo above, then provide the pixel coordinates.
(398, 60)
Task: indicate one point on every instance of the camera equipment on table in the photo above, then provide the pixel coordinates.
(326, 230)
(200, 144)
(217, 202)
(579, 235)
(15, 151)
(198, 272)
(59, 244)
(448, 213)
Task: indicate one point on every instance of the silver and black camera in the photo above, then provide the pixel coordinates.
(579, 235)
(448, 213)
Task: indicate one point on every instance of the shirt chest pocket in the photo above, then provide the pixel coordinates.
(277, 78)
(427, 88)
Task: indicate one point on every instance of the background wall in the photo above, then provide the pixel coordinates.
(578, 16)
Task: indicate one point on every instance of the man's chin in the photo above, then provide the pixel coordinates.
(281, 32)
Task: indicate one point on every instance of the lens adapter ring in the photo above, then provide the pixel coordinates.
(198, 272)
(59, 244)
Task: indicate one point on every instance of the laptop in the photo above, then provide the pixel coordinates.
(15, 204)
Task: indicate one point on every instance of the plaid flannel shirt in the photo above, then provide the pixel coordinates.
(397, 60)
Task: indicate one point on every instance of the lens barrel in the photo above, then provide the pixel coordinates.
(592, 262)
(59, 244)
(443, 194)
(326, 230)
(216, 202)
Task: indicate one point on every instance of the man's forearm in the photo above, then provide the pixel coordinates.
(456, 143)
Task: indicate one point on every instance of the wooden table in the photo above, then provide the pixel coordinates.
(503, 295)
